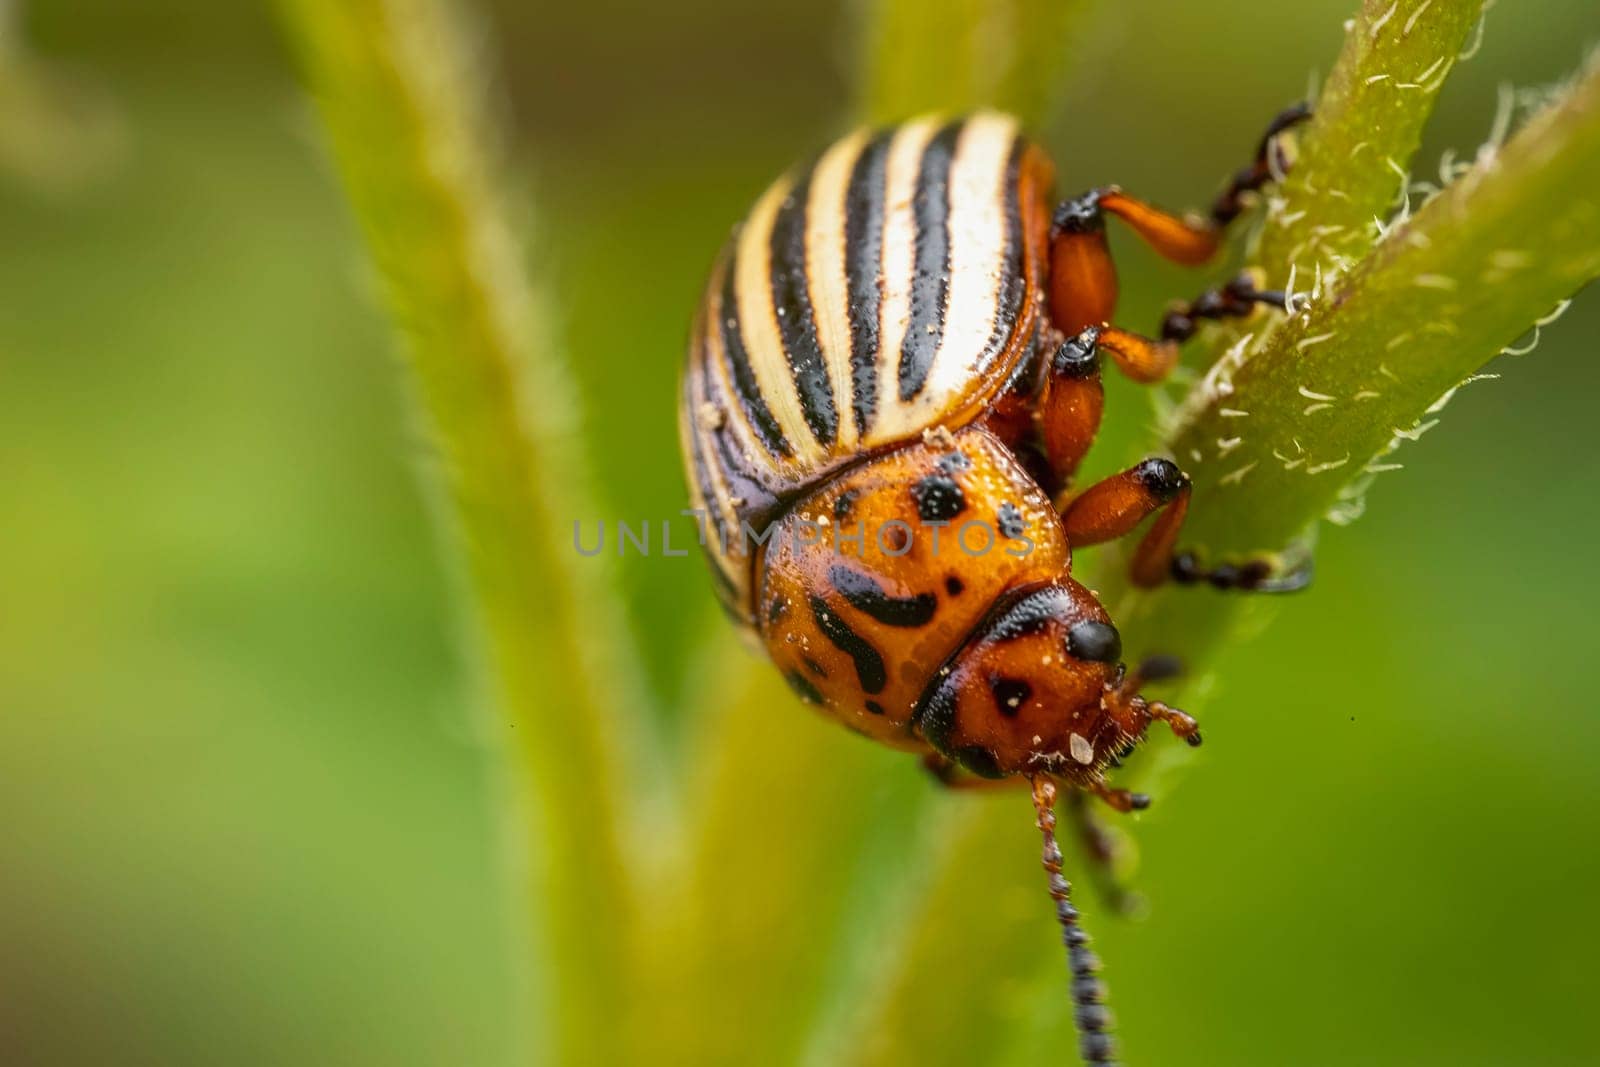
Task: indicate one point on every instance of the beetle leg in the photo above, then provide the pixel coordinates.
(1102, 848)
(1083, 278)
(1070, 409)
(1099, 844)
(1269, 163)
(1122, 800)
(1113, 507)
(1255, 575)
(1234, 300)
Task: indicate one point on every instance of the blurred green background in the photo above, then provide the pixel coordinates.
(247, 799)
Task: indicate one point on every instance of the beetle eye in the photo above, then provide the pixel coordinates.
(1097, 642)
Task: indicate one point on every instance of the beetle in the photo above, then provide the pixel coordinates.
(892, 377)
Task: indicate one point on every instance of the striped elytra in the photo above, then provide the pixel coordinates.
(864, 390)
(889, 286)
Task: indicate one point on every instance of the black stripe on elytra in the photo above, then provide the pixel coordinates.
(863, 271)
(750, 497)
(868, 597)
(702, 469)
(1011, 289)
(930, 280)
(797, 321)
(869, 664)
(744, 379)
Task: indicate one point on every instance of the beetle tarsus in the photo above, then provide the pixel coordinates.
(1235, 300)
(1268, 164)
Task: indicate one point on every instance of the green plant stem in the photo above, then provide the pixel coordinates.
(394, 85)
(1327, 394)
(961, 55)
(1473, 270)
(1368, 121)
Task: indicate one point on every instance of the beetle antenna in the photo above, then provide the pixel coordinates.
(1089, 1011)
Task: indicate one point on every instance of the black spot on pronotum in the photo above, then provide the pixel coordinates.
(1011, 524)
(844, 503)
(875, 707)
(953, 585)
(1010, 694)
(814, 667)
(869, 664)
(938, 498)
(869, 598)
(954, 462)
(1161, 478)
(1095, 642)
(777, 610)
(803, 687)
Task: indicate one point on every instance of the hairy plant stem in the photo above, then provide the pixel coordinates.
(1354, 154)
(399, 100)
(1294, 423)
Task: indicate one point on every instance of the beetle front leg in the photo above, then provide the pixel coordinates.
(1112, 508)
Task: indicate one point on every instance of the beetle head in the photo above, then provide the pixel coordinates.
(1036, 689)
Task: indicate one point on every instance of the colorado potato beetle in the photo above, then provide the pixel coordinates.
(893, 374)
